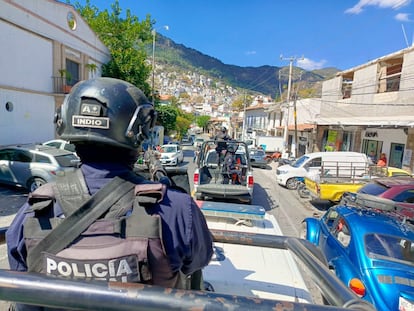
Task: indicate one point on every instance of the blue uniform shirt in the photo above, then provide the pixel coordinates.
(187, 240)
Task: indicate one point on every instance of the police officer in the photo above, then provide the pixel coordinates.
(222, 135)
(231, 170)
(107, 119)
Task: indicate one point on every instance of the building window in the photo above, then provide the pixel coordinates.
(347, 80)
(71, 21)
(9, 106)
(389, 75)
(73, 68)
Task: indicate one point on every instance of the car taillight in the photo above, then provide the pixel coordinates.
(250, 181)
(196, 178)
(357, 287)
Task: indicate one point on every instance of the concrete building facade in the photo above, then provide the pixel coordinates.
(46, 48)
(370, 108)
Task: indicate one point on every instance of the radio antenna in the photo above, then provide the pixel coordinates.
(405, 36)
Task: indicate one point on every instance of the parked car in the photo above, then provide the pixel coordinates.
(31, 166)
(61, 144)
(370, 248)
(357, 165)
(171, 154)
(198, 141)
(397, 189)
(213, 181)
(185, 140)
(258, 158)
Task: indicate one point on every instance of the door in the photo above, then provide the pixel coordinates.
(396, 155)
(20, 166)
(372, 147)
(6, 175)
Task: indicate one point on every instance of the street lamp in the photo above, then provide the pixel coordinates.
(154, 33)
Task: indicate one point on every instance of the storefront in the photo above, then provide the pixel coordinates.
(392, 142)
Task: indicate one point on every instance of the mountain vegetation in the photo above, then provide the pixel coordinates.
(267, 80)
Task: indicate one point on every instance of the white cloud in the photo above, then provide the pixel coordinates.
(250, 52)
(309, 64)
(403, 17)
(384, 4)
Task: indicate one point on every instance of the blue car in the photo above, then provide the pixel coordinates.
(370, 248)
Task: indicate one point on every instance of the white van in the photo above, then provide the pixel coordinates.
(349, 162)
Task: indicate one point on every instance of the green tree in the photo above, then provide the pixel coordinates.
(182, 125)
(167, 117)
(240, 101)
(202, 121)
(126, 39)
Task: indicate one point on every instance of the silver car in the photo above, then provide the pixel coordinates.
(258, 158)
(30, 166)
(61, 144)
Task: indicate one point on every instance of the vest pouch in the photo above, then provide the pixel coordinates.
(100, 253)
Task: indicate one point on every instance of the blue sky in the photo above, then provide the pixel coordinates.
(326, 33)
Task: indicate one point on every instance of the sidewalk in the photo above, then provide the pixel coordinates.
(5, 221)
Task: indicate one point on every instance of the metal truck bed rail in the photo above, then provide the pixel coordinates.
(29, 288)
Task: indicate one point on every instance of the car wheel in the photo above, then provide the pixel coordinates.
(291, 184)
(35, 183)
(303, 191)
(303, 230)
(199, 197)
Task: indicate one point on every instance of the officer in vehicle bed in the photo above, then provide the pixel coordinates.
(151, 234)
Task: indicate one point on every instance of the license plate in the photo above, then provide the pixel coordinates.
(405, 304)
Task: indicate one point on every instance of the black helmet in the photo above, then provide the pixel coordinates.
(231, 148)
(106, 111)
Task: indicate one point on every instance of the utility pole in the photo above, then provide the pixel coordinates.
(244, 117)
(285, 133)
(286, 130)
(295, 117)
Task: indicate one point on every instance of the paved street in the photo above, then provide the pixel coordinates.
(284, 204)
(10, 201)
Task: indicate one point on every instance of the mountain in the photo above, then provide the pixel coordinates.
(263, 79)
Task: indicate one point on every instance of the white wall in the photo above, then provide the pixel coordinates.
(24, 58)
(30, 32)
(31, 119)
(48, 18)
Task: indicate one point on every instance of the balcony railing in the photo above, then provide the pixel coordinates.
(61, 85)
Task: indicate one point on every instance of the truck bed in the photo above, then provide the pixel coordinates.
(332, 189)
(212, 185)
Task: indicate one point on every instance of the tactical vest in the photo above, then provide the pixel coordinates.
(124, 245)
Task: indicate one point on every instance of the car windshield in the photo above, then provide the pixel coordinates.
(169, 149)
(393, 247)
(373, 188)
(67, 160)
(299, 162)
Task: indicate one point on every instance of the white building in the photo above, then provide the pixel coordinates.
(41, 41)
(274, 119)
(370, 108)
